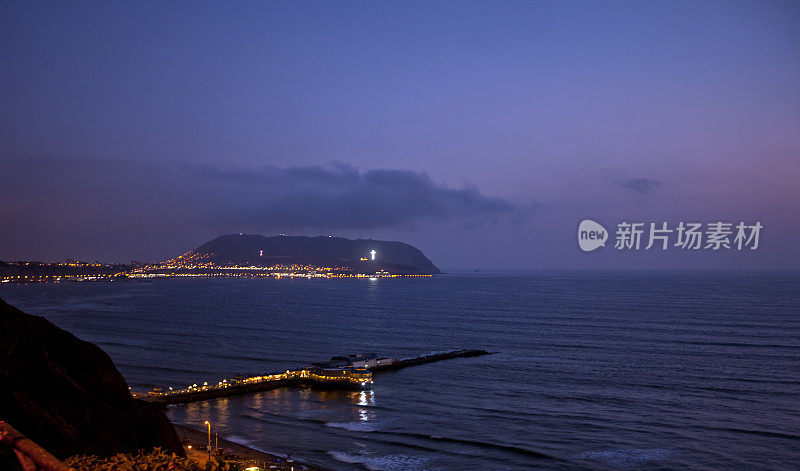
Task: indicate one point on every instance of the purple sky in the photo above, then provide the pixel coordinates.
(481, 132)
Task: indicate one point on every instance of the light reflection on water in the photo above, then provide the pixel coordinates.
(282, 405)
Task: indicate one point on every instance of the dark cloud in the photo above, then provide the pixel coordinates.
(110, 205)
(336, 174)
(639, 185)
(341, 196)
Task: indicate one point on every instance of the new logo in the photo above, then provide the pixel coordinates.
(591, 235)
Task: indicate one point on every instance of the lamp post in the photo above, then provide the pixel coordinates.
(209, 439)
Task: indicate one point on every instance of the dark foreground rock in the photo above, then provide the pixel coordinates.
(66, 395)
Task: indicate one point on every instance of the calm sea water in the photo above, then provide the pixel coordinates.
(597, 370)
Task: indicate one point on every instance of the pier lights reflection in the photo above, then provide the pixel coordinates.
(204, 413)
(366, 398)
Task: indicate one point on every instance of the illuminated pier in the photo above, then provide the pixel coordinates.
(340, 378)
(354, 377)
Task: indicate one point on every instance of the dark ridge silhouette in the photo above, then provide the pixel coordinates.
(66, 395)
(395, 257)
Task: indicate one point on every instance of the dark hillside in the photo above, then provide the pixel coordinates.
(396, 257)
(66, 394)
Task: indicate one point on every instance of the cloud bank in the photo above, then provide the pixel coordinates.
(639, 185)
(68, 203)
(341, 196)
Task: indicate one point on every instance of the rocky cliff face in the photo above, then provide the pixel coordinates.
(396, 257)
(66, 395)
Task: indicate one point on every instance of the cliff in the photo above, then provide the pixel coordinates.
(396, 257)
(66, 395)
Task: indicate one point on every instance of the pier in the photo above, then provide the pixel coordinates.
(338, 373)
(427, 359)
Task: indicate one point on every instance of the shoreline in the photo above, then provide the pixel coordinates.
(197, 437)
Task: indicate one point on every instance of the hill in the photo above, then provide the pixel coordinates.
(66, 395)
(255, 250)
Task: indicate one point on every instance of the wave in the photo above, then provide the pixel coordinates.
(244, 357)
(623, 457)
(118, 344)
(129, 366)
(760, 433)
(251, 444)
(712, 343)
(383, 463)
(354, 426)
(374, 430)
(515, 449)
(482, 444)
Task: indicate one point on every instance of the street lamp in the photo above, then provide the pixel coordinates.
(209, 439)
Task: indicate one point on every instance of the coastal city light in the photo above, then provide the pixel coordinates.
(188, 265)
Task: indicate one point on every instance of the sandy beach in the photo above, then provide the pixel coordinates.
(198, 439)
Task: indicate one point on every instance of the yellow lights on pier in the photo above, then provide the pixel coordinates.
(353, 376)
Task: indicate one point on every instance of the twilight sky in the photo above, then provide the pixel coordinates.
(480, 132)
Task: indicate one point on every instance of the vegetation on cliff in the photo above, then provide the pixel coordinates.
(155, 460)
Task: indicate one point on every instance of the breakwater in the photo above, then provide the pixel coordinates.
(433, 357)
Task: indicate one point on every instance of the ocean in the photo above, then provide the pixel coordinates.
(593, 370)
